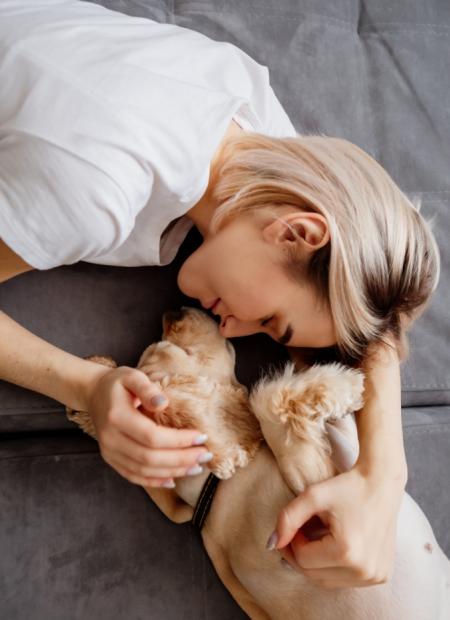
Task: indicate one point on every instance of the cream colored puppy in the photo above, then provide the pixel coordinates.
(268, 446)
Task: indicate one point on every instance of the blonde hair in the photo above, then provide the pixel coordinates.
(382, 264)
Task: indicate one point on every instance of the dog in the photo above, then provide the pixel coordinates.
(268, 446)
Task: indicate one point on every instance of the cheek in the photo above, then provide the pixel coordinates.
(191, 273)
(201, 273)
(184, 278)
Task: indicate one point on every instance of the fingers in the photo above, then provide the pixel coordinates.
(323, 553)
(154, 463)
(307, 554)
(131, 442)
(335, 577)
(148, 434)
(142, 428)
(294, 515)
(120, 463)
(141, 386)
(332, 577)
(136, 473)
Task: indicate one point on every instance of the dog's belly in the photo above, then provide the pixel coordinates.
(245, 509)
(244, 514)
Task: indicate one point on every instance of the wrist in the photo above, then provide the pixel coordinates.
(90, 374)
(389, 470)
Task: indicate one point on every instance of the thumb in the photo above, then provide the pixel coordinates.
(150, 395)
(293, 516)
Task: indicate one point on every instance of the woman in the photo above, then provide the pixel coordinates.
(101, 160)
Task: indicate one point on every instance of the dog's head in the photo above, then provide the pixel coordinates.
(194, 365)
(191, 342)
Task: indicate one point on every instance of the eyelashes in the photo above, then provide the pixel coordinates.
(263, 323)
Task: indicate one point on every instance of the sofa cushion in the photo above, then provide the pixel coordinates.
(73, 550)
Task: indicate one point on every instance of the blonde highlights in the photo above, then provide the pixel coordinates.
(382, 264)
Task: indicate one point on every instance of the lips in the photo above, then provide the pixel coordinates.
(210, 304)
(224, 322)
(214, 304)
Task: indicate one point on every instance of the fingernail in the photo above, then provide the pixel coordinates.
(158, 400)
(205, 457)
(168, 484)
(270, 545)
(200, 439)
(286, 564)
(196, 469)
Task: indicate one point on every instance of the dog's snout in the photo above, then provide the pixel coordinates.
(174, 315)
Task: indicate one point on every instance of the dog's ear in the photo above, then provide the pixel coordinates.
(241, 435)
(343, 437)
(293, 408)
(220, 410)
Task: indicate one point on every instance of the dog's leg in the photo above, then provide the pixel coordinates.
(293, 409)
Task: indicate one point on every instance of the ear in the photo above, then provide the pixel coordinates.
(308, 228)
(293, 409)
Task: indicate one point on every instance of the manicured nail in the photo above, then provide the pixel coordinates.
(158, 400)
(168, 484)
(196, 469)
(205, 457)
(200, 439)
(270, 545)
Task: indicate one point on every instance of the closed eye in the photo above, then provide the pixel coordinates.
(265, 321)
(286, 337)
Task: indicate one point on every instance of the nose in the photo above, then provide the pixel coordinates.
(174, 315)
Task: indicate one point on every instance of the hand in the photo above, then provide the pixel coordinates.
(357, 546)
(140, 450)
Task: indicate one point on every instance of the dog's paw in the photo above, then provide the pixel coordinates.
(320, 393)
(225, 464)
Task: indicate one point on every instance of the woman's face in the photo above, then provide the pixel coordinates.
(238, 266)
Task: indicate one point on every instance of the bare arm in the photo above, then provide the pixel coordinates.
(379, 421)
(33, 363)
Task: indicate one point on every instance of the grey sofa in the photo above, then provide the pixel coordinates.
(78, 541)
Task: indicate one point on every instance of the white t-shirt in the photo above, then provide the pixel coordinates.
(108, 125)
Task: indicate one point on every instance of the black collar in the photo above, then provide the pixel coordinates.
(205, 500)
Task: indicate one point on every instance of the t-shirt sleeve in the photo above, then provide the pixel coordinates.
(56, 208)
(278, 122)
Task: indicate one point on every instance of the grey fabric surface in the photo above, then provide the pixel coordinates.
(78, 541)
